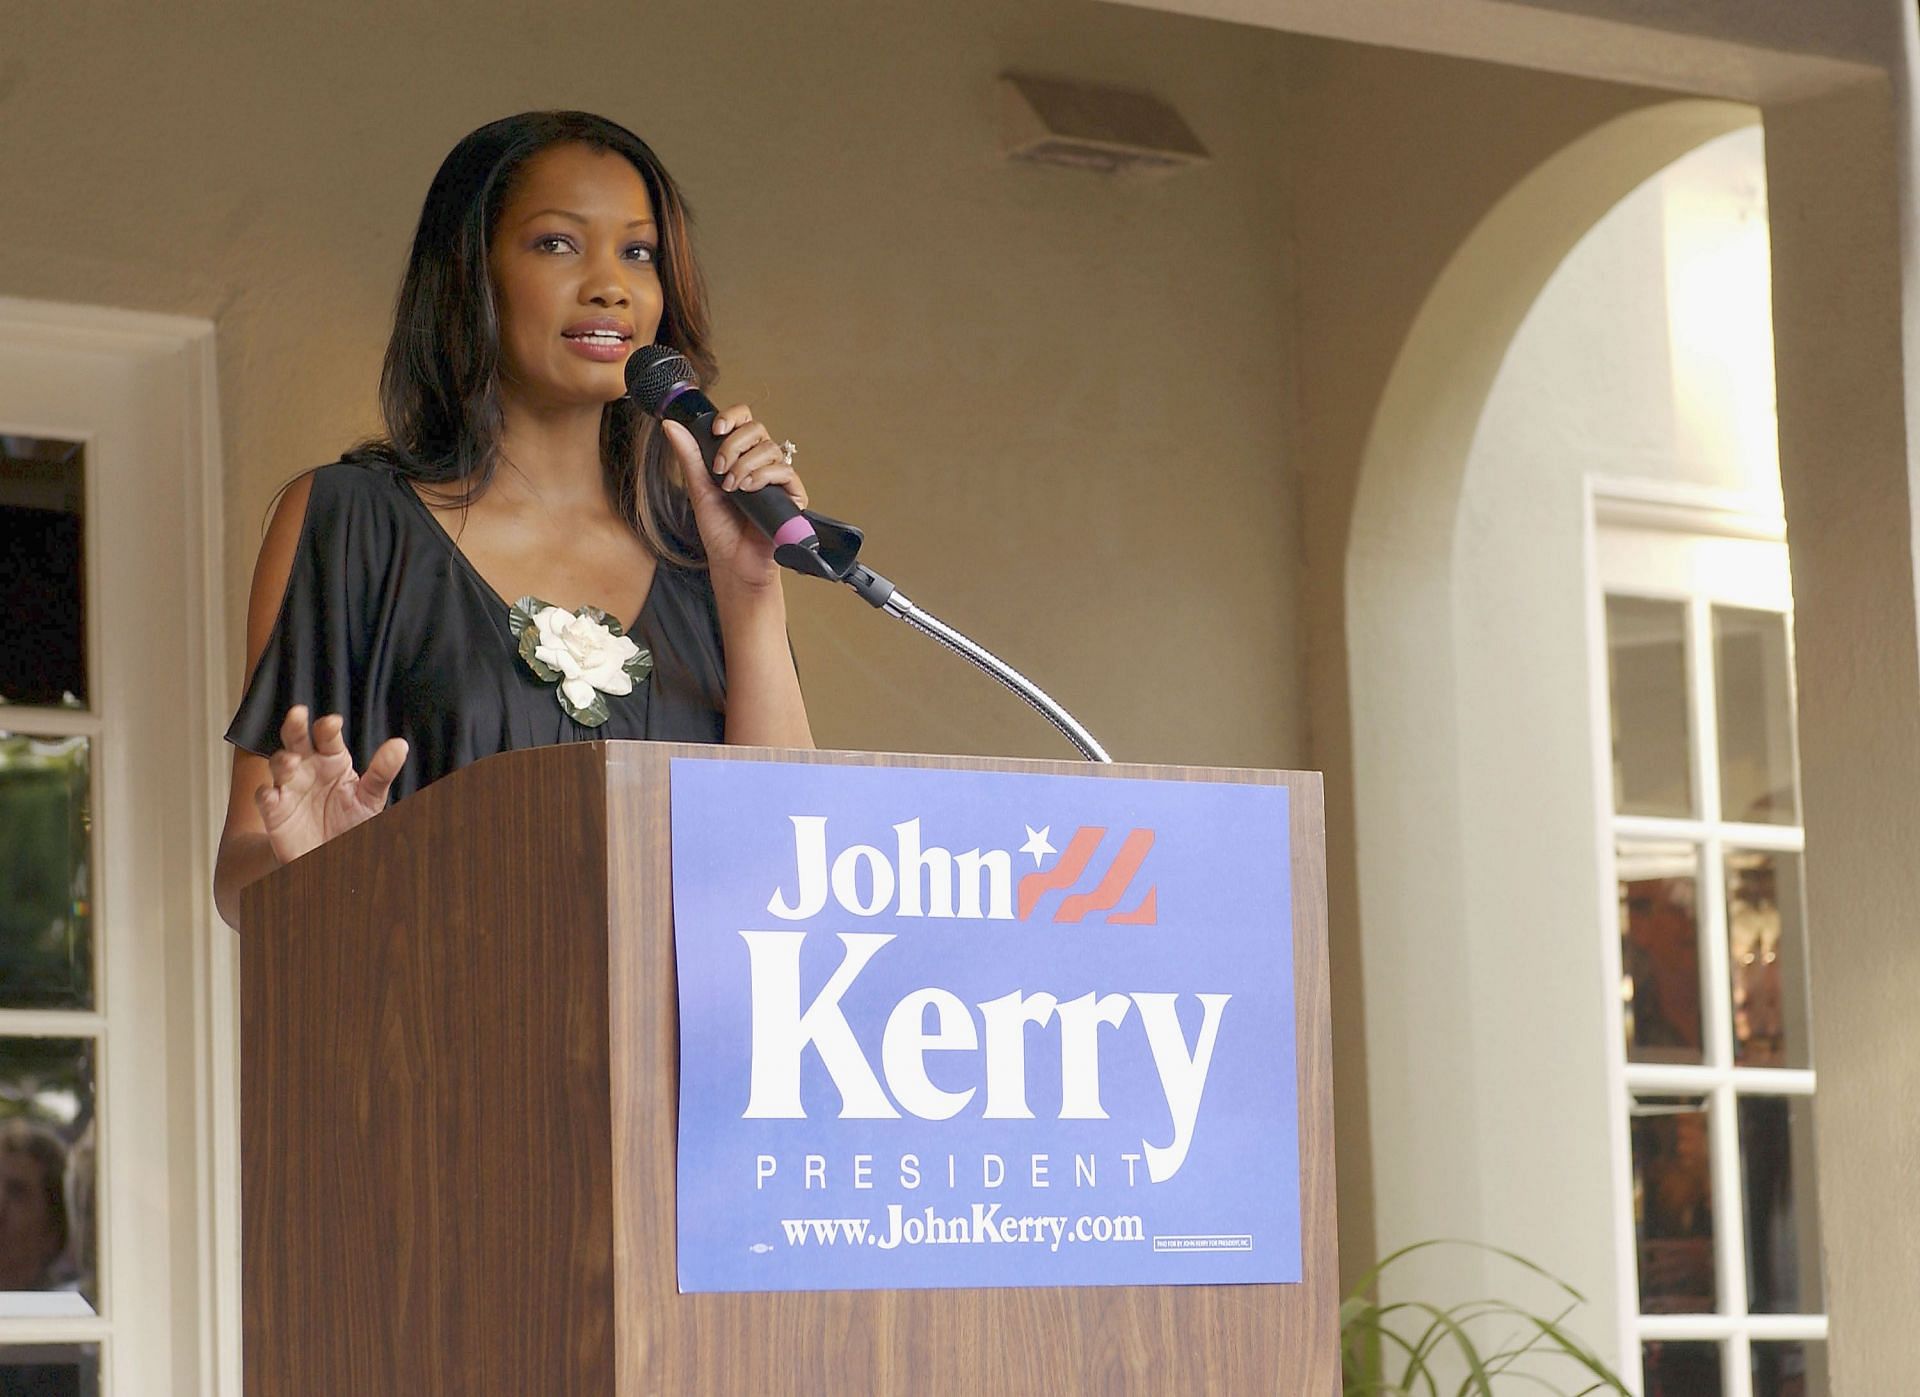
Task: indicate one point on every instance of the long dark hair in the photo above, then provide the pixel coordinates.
(439, 385)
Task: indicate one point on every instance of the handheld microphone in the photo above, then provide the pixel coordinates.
(662, 383)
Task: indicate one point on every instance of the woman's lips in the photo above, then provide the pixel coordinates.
(598, 348)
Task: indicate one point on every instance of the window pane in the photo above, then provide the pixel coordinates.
(46, 939)
(1752, 676)
(49, 1370)
(1660, 951)
(1783, 1229)
(1673, 1205)
(47, 1177)
(1673, 1368)
(1767, 951)
(1647, 666)
(1790, 1369)
(43, 632)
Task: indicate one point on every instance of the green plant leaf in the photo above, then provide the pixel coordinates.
(640, 666)
(1369, 1337)
(1532, 1345)
(1445, 1326)
(1368, 1376)
(1578, 1351)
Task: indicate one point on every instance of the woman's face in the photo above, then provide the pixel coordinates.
(575, 250)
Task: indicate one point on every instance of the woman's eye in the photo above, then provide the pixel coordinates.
(636, 252)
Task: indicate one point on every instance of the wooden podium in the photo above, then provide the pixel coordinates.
(459, 1095)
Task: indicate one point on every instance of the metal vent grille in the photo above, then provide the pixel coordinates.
(1051, 122)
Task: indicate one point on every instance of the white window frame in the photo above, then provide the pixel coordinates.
(1712, 517)
(166, 1088)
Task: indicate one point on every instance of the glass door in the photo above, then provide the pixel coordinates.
(52, 1032)
(1715, 1048)
(119, 1248)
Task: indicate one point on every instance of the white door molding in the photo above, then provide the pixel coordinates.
(141, 390)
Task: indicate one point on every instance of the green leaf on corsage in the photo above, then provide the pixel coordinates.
(593, 715)
(520, 620)
(520, 615)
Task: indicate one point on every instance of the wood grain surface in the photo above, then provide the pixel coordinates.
(425, 1100)
(459, 1096)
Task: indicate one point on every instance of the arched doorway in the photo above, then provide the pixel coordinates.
(1476, 1131)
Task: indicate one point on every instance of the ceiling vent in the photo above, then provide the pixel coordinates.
(1083, 127)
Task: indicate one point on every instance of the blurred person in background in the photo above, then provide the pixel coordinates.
(33, 1207)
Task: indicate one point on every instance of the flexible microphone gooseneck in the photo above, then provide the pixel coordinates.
(664, 385)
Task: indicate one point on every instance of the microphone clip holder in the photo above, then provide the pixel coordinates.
(830, 554)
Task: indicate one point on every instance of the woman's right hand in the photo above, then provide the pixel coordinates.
(315, 793)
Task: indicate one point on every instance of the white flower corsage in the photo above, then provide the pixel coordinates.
(584, 653)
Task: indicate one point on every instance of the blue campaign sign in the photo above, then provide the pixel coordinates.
(953, 1028)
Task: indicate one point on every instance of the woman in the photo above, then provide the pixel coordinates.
(551, 244)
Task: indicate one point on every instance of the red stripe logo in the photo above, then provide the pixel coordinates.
(1111, 890)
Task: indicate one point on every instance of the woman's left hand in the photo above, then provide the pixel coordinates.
(748, 459)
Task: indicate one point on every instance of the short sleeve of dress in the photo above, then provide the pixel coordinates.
(317, 652)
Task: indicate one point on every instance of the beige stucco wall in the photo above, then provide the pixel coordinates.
(1055, 400)
(1442, 144)
(1625, 369)
(1847, 323)
(1648, 355)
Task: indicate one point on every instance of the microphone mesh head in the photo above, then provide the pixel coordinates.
(653, 373)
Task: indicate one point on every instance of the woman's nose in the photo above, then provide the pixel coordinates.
(604, 282)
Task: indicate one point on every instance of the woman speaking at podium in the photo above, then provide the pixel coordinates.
(524, 558)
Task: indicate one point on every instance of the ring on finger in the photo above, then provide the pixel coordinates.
(787, 451)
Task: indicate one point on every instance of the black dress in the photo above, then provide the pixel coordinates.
(386, 623)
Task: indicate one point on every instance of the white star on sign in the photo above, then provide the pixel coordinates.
(1037, 844)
